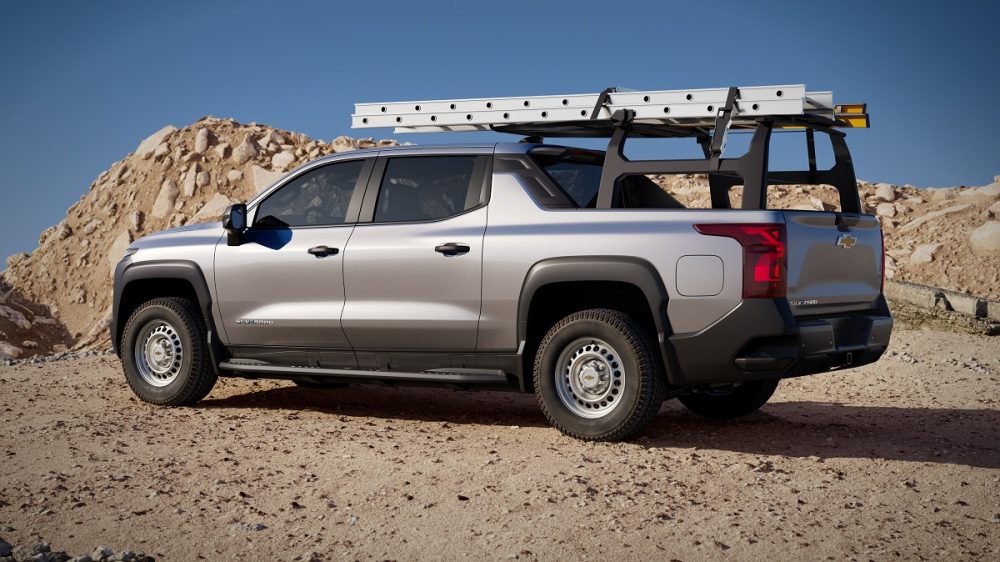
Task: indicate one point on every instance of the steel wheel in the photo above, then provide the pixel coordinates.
(158, 353)
(589, 378)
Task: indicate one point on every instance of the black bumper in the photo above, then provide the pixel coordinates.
(761, 339)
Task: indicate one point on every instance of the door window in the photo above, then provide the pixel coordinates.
(426, 188)
(319, 197)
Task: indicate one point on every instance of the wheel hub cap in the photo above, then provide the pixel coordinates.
(589, 378)
(158, 353)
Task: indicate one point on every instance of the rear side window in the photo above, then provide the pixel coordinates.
(577, 173)
(420, 188)
(319, 197)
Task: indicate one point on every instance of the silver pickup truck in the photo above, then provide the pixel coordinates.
(526, 266)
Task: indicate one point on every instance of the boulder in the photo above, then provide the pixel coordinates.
(924, 254)
(885, 192)
(343, 144)
(118, 248)
(201, 140)
(245, 151)
(282, 160)
(165, 199)
(9, 351)
(932, 216)
(148, 146)
(212, 210)
(985, 240)
(190, 180)
(161, 150)
(262, 179)
(887, 210)
(14, 317)
(203, 178)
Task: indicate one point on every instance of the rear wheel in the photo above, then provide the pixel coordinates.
(731, 401)
(165, 353)
(596, 377)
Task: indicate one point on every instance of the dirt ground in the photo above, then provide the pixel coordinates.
(900, 459)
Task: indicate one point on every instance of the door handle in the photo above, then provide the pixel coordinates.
(323, 251)
(451, 249)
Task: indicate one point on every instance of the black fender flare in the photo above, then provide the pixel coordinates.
(634, 271)
(128, 271)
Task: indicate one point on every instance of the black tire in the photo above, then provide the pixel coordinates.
(194, 376)
(641, 381)
(734, 402)
(311, 383)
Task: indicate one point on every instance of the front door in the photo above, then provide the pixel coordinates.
(283, 286)
(413, 274)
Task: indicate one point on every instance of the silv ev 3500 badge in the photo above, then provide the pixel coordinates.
(249, 322)
(846, 241)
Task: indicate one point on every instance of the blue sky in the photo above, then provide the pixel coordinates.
(83, 82)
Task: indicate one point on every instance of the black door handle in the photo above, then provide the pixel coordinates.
(451, 249)
(322, 251)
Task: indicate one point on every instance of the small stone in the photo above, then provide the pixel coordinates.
(923, 254)
(102, 552)
(343, 144)
(190, 181)
(201, 140)
(222, 150)
(235, 175)
(136, 219)
(5, 548)
(245, 151)
(91, 226)
(148, 146)
(887, 210)
(165, 199)
(161, 150)
(203, 178)
(282, 160)
(985, 240)
(885, 192)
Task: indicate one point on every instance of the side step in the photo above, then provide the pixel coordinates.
(453, 376)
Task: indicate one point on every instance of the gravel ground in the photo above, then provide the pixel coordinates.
(897, 459)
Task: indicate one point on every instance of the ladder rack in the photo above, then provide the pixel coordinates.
(561, 115)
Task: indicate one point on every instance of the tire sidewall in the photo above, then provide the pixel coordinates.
(158, 394)
(629, 397)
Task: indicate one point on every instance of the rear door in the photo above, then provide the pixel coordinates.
(413, 271)
(283, 287)
(834, 262)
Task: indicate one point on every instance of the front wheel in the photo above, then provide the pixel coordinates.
(731, 401)
(165, 353)
(596, 376)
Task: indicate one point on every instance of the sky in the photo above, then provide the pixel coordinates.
(82, 83)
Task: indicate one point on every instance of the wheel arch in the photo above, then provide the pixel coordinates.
(136, 283)
(628, 278)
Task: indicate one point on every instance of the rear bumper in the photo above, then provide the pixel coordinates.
(761, 339)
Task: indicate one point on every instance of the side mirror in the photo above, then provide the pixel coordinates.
(234, 220)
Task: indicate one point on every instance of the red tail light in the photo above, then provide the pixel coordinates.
(764, 262)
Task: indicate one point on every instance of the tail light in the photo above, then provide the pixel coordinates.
(765, 268)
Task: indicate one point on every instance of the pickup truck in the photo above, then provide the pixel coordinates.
(498, 266)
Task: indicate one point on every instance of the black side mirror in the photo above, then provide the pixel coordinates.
(234, 220)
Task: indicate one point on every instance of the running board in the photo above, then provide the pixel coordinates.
(453, 376)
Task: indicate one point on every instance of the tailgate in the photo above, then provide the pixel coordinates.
(834, 262)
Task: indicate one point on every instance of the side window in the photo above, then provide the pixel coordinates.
(319, 197)
(419, 188)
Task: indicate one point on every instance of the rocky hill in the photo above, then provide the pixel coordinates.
(60, 294)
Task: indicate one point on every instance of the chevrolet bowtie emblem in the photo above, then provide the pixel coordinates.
(846, 241)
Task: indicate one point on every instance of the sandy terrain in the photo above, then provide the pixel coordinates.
(897, 459)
